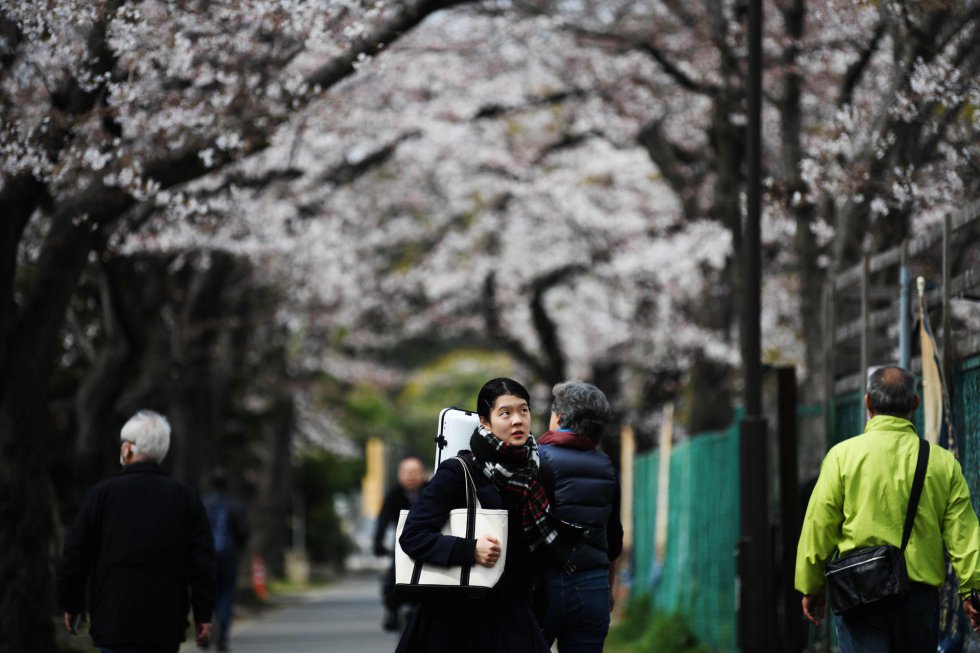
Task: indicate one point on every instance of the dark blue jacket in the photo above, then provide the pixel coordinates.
(583, 488)
(229, 524)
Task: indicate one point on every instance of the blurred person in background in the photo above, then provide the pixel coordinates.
(229, 528)
(142, 544)
(411, 481)
(583, 488)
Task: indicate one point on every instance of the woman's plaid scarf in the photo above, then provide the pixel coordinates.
(514, 472)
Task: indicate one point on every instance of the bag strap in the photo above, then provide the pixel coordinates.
(917, 481)
(472, 503)
(472, 500)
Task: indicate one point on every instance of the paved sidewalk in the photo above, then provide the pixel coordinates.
(345, 617)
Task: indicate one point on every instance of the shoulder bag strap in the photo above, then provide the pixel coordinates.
(471, 504)
(472, 501)
(917, 482)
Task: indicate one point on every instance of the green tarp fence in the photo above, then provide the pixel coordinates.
(697, 579)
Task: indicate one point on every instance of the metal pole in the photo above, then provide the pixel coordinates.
(756, 614)
(752, 260)
(947, 349)
(904, 323)
(830, 360)
(865, 316)
(789, 507)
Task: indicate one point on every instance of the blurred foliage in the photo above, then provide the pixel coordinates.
(368, 412)
(451, 380)
(644, 631)
(407, 417)
(321, 476)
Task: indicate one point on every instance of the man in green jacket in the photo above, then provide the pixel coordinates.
(860, 500)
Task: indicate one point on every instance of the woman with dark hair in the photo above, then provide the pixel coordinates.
(504, 464)
(582, 486)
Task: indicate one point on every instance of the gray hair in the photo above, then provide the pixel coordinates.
(581, 408)
(891, 391)
(150, 434)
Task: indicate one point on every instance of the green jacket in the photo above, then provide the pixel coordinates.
(861, 497)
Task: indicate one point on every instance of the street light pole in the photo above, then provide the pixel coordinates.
(756, 617)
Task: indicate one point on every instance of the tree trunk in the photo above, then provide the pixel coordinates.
(135, 292)
(195, 411)
(271, 536)
(26, 502)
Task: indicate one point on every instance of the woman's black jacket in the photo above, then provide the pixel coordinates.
(421, 538)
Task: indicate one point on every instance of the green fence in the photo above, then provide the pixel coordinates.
(966, 412)
(697, 579)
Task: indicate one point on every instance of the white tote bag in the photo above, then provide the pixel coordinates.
(416, 579)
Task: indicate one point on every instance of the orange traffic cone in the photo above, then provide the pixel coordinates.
(258, 578)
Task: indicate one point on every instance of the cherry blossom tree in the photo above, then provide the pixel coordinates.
(869, 125)
(108, 106)
(500, 197)
(512, 200)
(562, 181)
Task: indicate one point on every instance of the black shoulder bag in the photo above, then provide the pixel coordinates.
(872, 574)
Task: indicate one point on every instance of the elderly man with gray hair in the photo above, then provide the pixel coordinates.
(865, 500)
(583, 487)
(143, 543)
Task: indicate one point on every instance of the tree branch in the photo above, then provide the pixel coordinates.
(681, 168)
(496, 331)
(407, 16)
(645, 46)
(497, 110)
(10, 39)
(731, 64)
(349, 171)
(186, 165)
(857, 69)
(544, 325)
(566, 142)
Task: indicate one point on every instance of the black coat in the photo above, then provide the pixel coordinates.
(501, 622)
(394, 502)
(141, 541)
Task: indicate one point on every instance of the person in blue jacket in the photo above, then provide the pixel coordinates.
(504, 461)
(229, 527)
(583, 488)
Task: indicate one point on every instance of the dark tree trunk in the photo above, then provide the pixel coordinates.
(271, 532)
(196, 412)
(710, 389)
(26, 601)
(26, 604)
(135, 292)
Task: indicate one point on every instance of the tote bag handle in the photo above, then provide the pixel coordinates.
(472, 503)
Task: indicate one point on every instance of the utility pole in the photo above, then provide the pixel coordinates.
(756, 617)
